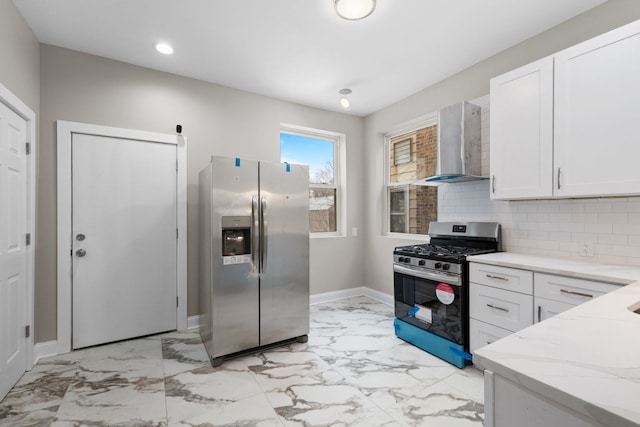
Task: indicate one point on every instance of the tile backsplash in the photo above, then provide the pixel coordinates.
(554, 228)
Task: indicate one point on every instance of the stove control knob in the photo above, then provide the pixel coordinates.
(400, 259)
(438, 265)
(421, 262)
(445, 267)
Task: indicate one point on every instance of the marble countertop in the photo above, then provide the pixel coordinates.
(586, 358)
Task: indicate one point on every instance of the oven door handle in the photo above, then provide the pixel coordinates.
(421, 273)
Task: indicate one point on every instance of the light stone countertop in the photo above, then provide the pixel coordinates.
(586, 358)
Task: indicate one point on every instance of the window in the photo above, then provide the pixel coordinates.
(402, 152)
(321, 150)
(412, 156)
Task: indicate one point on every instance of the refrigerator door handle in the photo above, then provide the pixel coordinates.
(264, 234)
(255, 227)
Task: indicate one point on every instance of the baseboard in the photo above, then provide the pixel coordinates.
(193, 323)
(351, 292)
(44, 349)
(379, 296)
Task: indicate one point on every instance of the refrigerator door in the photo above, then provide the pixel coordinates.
(235, 294)
(284, 260)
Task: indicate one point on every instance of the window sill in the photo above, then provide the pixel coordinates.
(325, 235)
(407, 236)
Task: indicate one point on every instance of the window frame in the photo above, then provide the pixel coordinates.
(339, 173)
(405, 190)
(414, 125)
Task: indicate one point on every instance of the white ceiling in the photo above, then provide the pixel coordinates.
(299, 50)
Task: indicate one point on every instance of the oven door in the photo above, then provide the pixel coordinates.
(430, 300)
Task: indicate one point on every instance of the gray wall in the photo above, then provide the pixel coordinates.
(20, 53)
(466, 85)
(216, 119)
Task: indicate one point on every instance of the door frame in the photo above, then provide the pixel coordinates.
(26, 113)
(65, 131)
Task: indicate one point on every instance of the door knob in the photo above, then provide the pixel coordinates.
(80, 237)
(81, 252)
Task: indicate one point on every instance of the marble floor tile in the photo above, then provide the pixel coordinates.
(180, 354)
(439, 405)
(353, 371)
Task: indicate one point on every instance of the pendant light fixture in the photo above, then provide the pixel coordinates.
(344, 101)
(354, 9)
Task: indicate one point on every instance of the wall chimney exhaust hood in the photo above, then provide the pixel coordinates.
(459, 145)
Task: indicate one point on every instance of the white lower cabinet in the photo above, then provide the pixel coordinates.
(503, 300)
(555, 294)
(508, 404)
(546, 308)
(500, 302)
(481, 334)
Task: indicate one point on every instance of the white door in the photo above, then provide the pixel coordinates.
(124, 250)
(597, 88)
(521, 128)
(13, 261)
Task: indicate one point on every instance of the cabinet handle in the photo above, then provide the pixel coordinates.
(506, 310)
(497, 277)
(539, 313)
(558, 178)
(580, 294)
(493, 183)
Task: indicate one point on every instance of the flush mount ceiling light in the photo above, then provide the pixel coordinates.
(344, 101)
(354, 9)
(164, 48)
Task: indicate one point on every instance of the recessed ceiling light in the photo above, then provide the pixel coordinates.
(164, 48)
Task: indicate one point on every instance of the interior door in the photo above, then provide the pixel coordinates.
(124, 249)
(13, 262)
(284, 277)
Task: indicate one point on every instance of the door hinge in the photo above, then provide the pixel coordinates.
(27, 146)
(27, 331)
(177, 299)
(177, 234)
(28, 239)
(176, 166)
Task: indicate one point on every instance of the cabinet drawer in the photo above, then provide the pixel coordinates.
(509, 310)
(568, 289)
(511, 279)
(545, 308)
(481, 334)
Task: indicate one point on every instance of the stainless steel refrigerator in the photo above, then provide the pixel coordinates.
(254, 255)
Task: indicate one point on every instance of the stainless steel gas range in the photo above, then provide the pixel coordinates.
(431, 287)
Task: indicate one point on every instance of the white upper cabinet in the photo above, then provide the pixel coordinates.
(597, 116)
(521, 128)
(568, 125)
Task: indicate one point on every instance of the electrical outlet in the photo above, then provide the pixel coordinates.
(354, 232)
(586, 248)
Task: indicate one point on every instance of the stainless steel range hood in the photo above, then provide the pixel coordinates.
(459, 145)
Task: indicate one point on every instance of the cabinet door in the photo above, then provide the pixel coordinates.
(521, 132)
(509, 404)
(597, 90)
(481, 334)
(546, 308)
